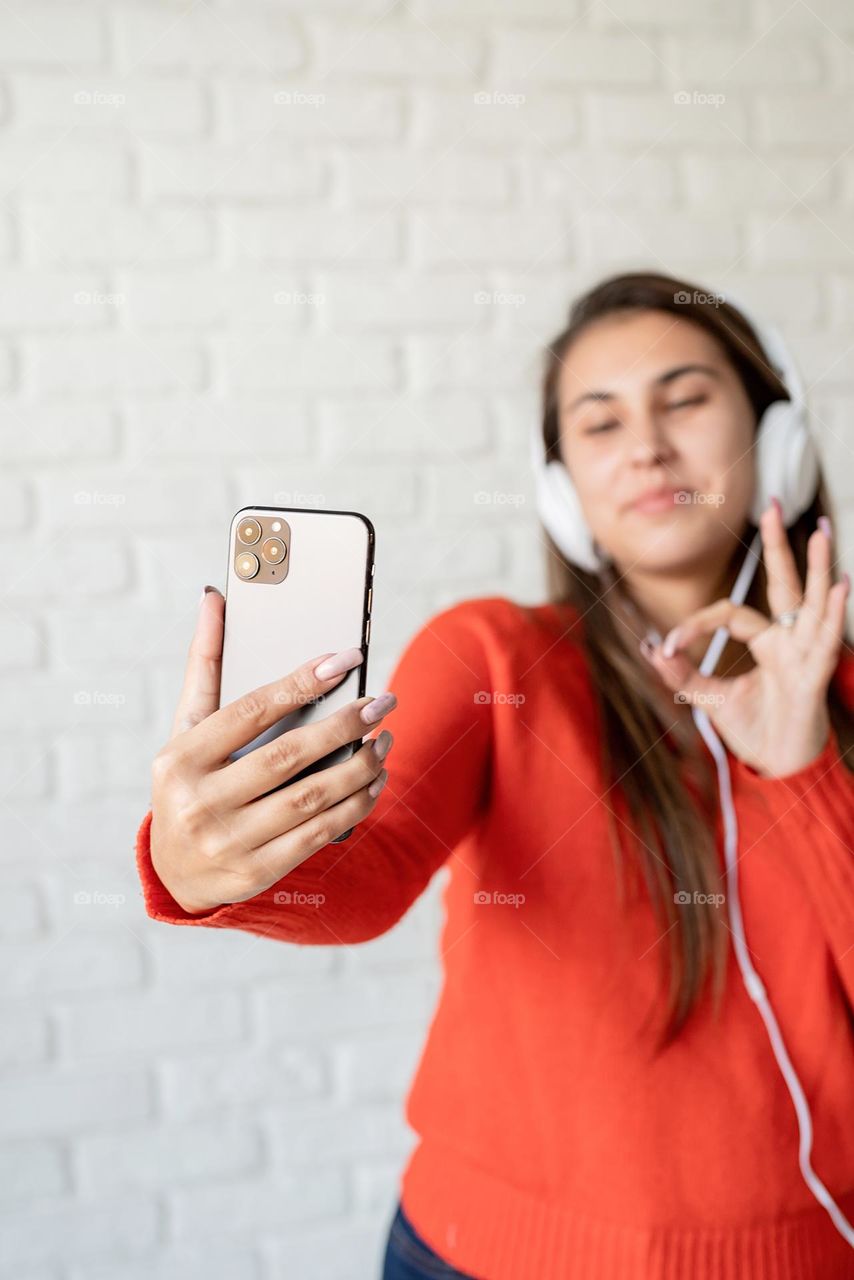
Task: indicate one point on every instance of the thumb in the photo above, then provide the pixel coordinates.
(200, 693)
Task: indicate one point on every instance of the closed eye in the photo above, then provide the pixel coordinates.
(677, 404)
(681, 404)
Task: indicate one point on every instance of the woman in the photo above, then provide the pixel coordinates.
(597, 1096)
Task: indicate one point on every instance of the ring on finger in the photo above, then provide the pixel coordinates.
(788, 618)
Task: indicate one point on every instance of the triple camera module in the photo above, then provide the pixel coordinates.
(269, 539)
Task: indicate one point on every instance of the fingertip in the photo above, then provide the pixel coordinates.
(671, 643)
(331, 666)
(206, 591)
(771, 519)
(209, 623)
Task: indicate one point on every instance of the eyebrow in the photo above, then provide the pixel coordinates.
(661, 380)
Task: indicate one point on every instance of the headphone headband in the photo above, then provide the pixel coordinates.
(777, 353)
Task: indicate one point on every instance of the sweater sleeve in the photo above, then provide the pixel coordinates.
(438, 783)
(810, 813)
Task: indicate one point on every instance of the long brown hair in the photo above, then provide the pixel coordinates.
(645, 735)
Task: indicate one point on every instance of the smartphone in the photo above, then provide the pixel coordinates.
(298, 583)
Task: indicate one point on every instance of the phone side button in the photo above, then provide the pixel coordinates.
(368, 631)
(370, 598)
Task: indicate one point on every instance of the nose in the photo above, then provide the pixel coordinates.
(648, 439)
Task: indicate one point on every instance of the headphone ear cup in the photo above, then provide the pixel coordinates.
(560, 511)
(786, 462)
(786, 456)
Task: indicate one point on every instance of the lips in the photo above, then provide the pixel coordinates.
(659, 499)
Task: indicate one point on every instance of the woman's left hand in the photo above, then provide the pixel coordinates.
(774, 717)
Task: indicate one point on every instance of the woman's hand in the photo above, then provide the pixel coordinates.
(775, 717)
(216, 836)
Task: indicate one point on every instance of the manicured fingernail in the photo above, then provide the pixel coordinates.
(775, 503)
(647, 649)
(382, 744)
(375, 710)
(670, 642)
(205, 591)
(338, 663)
(824, 525)
(846, 578)
(377, 785)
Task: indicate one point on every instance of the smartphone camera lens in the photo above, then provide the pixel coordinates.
(246, 565)
(249, 531)
(273, 550)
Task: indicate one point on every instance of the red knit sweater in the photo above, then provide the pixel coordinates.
(553, 1144)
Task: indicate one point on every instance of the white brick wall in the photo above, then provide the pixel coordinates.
(178, 181)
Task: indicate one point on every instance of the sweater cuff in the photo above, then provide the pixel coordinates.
(825, 785)
(810, 816)
(159, 903)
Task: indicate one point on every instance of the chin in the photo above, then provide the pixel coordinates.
(660, 550)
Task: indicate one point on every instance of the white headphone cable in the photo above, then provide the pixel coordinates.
(752, 981)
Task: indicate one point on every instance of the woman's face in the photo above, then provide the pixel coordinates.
(648, 401)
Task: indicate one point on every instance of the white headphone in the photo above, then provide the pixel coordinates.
(786, 462)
